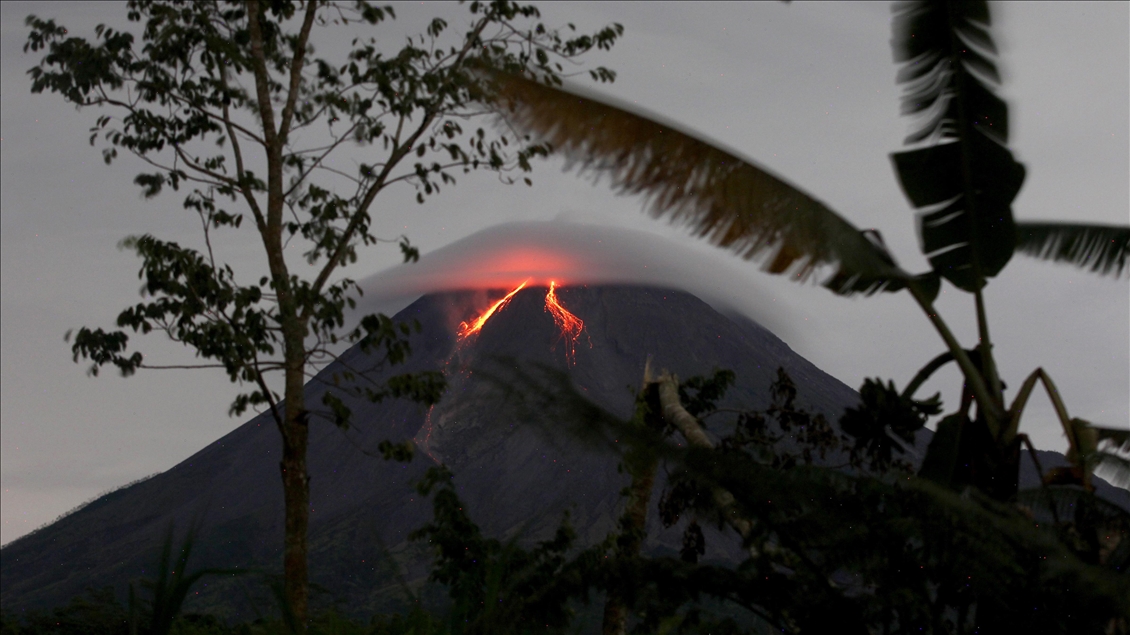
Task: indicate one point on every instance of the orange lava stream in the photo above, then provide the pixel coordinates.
(474, 326)
(466, 329)
(570, 325)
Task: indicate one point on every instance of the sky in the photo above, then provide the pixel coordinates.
(806, 90)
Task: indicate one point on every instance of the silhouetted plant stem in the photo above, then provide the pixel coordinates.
(986, 347)
(925, 373)
(1040, 472)
(964, 139)
(973, 377)
(1076, 453)
(633, 524)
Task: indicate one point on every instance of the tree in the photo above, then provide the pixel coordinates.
(229, 101)
(877, 551)
(871, 550)
(959, 174)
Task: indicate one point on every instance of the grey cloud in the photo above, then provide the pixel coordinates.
(503, 256)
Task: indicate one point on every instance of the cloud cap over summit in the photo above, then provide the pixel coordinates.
(572, 253)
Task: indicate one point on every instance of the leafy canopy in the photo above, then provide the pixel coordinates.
(235, 106)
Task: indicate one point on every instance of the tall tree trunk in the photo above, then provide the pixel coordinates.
(633, 524)
(296, 495)
(296, 482)
(295, 420)
(634, 529)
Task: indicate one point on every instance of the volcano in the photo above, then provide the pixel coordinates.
(516, 477)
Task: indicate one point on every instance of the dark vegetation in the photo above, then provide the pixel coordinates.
(840, 537)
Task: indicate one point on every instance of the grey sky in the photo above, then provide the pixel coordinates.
(806, 90)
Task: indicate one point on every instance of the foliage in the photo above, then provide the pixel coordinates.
(880, 551)
(836, 537)
(186, 87)
(959, 174)
(707, 391)
(886, 422)
(496, 587)
(899, 553)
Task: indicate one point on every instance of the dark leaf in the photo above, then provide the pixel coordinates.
(885, 422)
(966, 237)
(400, 452)
(938, 43)
(1101, 248)
(1113, 467)
(694, 543)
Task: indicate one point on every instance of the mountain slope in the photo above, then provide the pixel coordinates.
(516, 478)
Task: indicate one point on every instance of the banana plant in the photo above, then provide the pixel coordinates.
(958, 173)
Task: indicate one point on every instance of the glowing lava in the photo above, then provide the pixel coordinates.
(474, 326)
(570, 325)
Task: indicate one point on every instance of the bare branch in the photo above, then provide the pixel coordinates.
(296, 69)
(241, 174)
(302, 177)
(179, 366)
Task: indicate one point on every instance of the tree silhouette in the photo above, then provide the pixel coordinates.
(228, 99)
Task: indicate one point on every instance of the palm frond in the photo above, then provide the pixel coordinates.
(695, 183)
(1101, 248)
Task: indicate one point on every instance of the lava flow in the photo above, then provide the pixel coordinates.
(474, 326)
(570, 325)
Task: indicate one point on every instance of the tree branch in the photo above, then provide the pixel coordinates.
(398, 154)
(179, 366)
(296, 69)
(262, 78)
(675, 414)
(302, 177)
(241, 174)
